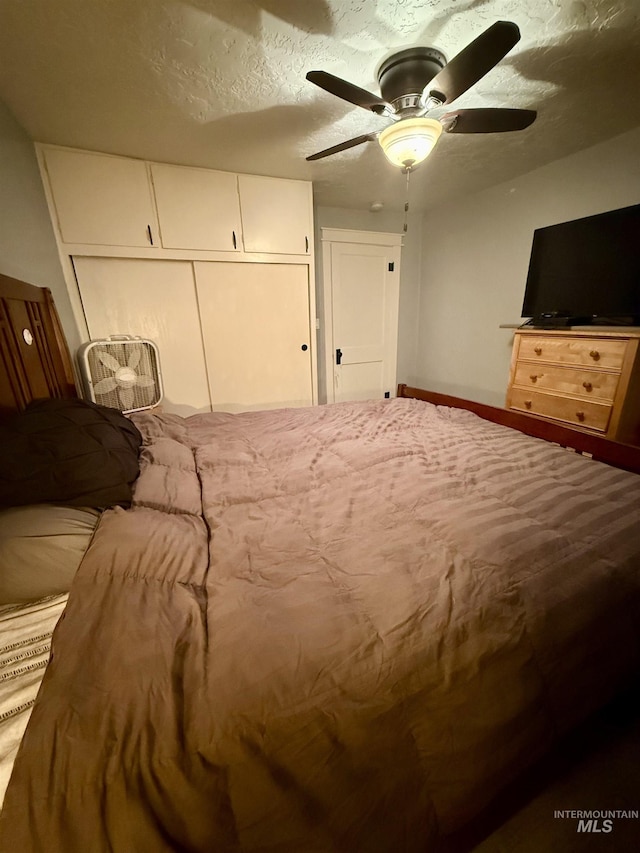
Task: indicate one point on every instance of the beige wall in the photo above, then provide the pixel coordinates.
(476, 256)
(27, 243)
(363, 220)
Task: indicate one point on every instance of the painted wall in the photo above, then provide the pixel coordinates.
(363, 220)
(27, 244)
(475, 257)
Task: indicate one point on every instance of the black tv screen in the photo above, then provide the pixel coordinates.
(587, 270)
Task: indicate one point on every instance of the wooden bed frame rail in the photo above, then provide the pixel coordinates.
(614, 453)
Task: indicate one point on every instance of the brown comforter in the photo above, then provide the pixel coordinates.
(332, 629)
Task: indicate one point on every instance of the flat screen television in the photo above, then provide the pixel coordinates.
(586, 271)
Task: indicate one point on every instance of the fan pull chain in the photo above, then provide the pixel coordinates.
(407, 171)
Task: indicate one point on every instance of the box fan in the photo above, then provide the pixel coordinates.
(122, 372)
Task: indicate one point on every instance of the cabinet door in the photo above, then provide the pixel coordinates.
(101, 200)
(277, 215)
(255, 325)
(197, 208)
(156, 300)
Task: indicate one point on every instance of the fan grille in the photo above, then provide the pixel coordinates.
(141, 353)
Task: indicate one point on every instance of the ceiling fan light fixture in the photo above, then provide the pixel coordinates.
(410, 141)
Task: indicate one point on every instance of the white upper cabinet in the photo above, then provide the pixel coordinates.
(100, 199)
(197, 208)
(124, 203)
(277, 215)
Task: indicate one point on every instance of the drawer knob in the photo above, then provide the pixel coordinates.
(580, 416)
(533, 377)
(595, 355)
(538, 350)
(587, 386)
(527, 403)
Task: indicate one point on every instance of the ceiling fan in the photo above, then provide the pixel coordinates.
(419, 80)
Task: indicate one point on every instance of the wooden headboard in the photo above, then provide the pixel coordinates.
(34, 357)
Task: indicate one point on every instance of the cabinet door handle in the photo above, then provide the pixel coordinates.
(580, 416)
(538, 350)
(233, 237)
(587, 386)
(527, 404)
(149, 234)
(338, 356)
(306, 244)
(595, 355)
(533, 377)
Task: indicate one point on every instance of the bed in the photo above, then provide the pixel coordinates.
(347, 627)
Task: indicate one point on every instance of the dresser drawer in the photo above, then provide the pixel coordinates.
(567, 380)
(583, 413)
(595, 352)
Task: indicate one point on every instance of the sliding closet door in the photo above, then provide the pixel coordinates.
(255, 326)
(156, 300)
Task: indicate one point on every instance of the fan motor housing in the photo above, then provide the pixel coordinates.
(408, 72)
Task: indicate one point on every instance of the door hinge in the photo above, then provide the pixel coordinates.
(391, 266)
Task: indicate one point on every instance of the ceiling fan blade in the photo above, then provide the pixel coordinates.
(350, 143)
(486, 120)
(349, 92)
(475, 60)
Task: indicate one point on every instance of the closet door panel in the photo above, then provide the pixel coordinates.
(156, 300)
(255, 326)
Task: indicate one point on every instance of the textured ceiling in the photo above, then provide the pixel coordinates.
(221, 84)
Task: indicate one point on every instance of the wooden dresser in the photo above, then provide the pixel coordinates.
(588, 379)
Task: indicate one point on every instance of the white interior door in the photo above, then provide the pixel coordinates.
(156, 300)
(361, 308)
(256, 330)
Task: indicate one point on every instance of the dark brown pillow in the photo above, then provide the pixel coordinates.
(70, 452)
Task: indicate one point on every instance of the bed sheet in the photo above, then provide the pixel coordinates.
(25, 644)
